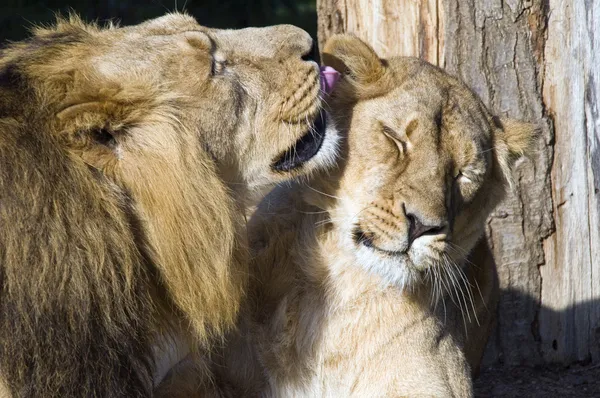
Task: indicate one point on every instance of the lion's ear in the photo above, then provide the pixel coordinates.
(512, 140)
(93, 129)
(359, 64)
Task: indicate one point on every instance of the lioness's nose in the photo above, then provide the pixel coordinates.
(292, 41)
(417, 228)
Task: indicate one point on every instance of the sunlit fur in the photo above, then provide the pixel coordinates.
(333, 317)
(125, 157)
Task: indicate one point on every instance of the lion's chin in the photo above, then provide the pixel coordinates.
(305, 148)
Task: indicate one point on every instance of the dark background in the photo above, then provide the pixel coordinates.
(17, 16)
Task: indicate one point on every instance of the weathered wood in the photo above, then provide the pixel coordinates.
(536, 60)
(570, 319)
(410, 27)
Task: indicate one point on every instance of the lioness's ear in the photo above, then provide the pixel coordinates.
(359, 64)
(512, 140)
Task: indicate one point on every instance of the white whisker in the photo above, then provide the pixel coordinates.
(467, 285)
(323, 193)
(455, 247)
(457, 286)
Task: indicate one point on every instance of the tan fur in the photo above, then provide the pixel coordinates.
(371, 314)
(125, 157)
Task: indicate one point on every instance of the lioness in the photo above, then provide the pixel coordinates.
(125, 157)
(351, 267)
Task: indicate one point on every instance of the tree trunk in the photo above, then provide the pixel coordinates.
(536, 60)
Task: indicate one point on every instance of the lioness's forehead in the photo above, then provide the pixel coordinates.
(402, 104)
(427, 93)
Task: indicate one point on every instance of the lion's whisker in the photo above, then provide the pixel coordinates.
(323, 193)
(313, 212)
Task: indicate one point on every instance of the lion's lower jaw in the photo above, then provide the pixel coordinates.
(328, 154)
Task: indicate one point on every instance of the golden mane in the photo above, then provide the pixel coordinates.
(125, 156)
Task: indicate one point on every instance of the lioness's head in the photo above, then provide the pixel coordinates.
(423, 163)
(246, 98)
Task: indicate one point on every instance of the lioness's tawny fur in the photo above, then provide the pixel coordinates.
(125, 155)
(362, 274)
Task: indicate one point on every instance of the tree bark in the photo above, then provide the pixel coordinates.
(528, 62)
(571, 288)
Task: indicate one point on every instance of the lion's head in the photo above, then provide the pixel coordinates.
(246, 98)
(119, 151)
(424, 163)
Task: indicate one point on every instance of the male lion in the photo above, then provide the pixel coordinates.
(351, 267)
(122, 153)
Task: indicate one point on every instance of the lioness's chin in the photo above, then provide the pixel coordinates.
(397, 270)
(404, 270)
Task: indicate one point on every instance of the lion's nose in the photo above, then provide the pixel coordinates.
(311, 54)
(417, 228)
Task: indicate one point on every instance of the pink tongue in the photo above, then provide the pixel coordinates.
(329, 78)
